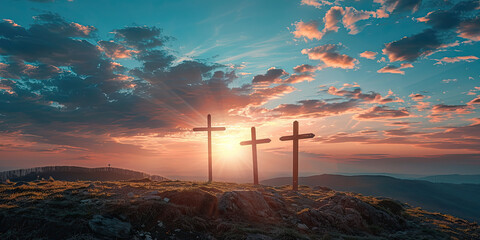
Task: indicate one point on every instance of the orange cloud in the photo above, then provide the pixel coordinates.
(329, 55)
(308, 30)
(456, 59)
(394, 69)
(368, 54)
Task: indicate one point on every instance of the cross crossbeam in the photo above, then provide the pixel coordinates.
(254, 143)
(209, 129)
(295, 137)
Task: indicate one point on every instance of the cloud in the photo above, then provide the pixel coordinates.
(297, 78)
(50, 41)
(470, 29)
(382, 112)
(308, 30)
(351, 16)
(449, 108)
(305, 68)
(368, 54)
(475, 101)
(413, 47)
(141, 37)
(356, 93)
(441, 19)
(316, 3)
(314, 108)
(441, 112)
(401, 132)
(273, 75)
(456, 59)
(449, 80)
(395, 6)
(62, 90)
(417, 97)
(458, 17)
(332, 18)
(330, 57)
(114, 50)
(395, 69)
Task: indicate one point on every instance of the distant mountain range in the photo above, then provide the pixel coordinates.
(71, 173)
(453, 178)
(461, 200)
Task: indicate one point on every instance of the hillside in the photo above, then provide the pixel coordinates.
(72, 173)
(453, 178)
(145, 209)
(460, 200)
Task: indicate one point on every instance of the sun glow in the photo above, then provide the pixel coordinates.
(229, 148)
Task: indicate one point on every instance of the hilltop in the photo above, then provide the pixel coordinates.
(460, 200)
(145, 209)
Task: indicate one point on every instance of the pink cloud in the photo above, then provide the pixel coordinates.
(395, 69)
(368, 54)
(352, 16)
(316, 3)
(332, 18)
(470, 29)
(370, 97)
(297, 78)
(382, 112)
(475, 101)
(456, 59)
(307, 30)
(329, 55)
(417, 96)
(305, 68)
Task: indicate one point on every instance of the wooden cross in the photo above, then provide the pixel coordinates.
(295, 137)
(209, 129)
(254, 143)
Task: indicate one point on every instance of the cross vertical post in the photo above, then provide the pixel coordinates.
(295, 137)
(254, 157)
(254, 143)
(209, 130)
(209, 126)
(295, 156)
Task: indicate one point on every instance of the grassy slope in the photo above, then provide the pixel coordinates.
(62, 210)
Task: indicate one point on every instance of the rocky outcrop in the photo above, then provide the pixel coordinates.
(110, 227)
(249, 205)
(348, 214)
(200, 202)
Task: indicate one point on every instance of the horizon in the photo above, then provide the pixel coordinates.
(247, 180)
(87, 87)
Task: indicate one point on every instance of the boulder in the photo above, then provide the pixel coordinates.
(250, 205)
(347, 214)
(110, 227)
(201, 202)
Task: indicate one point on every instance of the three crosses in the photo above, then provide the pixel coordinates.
(254, 141)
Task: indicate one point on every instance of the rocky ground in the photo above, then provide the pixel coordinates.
(145, 209)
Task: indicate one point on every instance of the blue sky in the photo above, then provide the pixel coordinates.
(392, 78)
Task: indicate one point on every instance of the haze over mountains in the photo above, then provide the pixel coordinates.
(453, 178)
(461, 200)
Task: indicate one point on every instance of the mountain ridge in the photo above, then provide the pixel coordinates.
(74, 173)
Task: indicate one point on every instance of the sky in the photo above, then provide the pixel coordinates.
(386, 86)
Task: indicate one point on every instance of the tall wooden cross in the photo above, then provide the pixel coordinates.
(254, 143)
(209, 129)
(295, 137)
